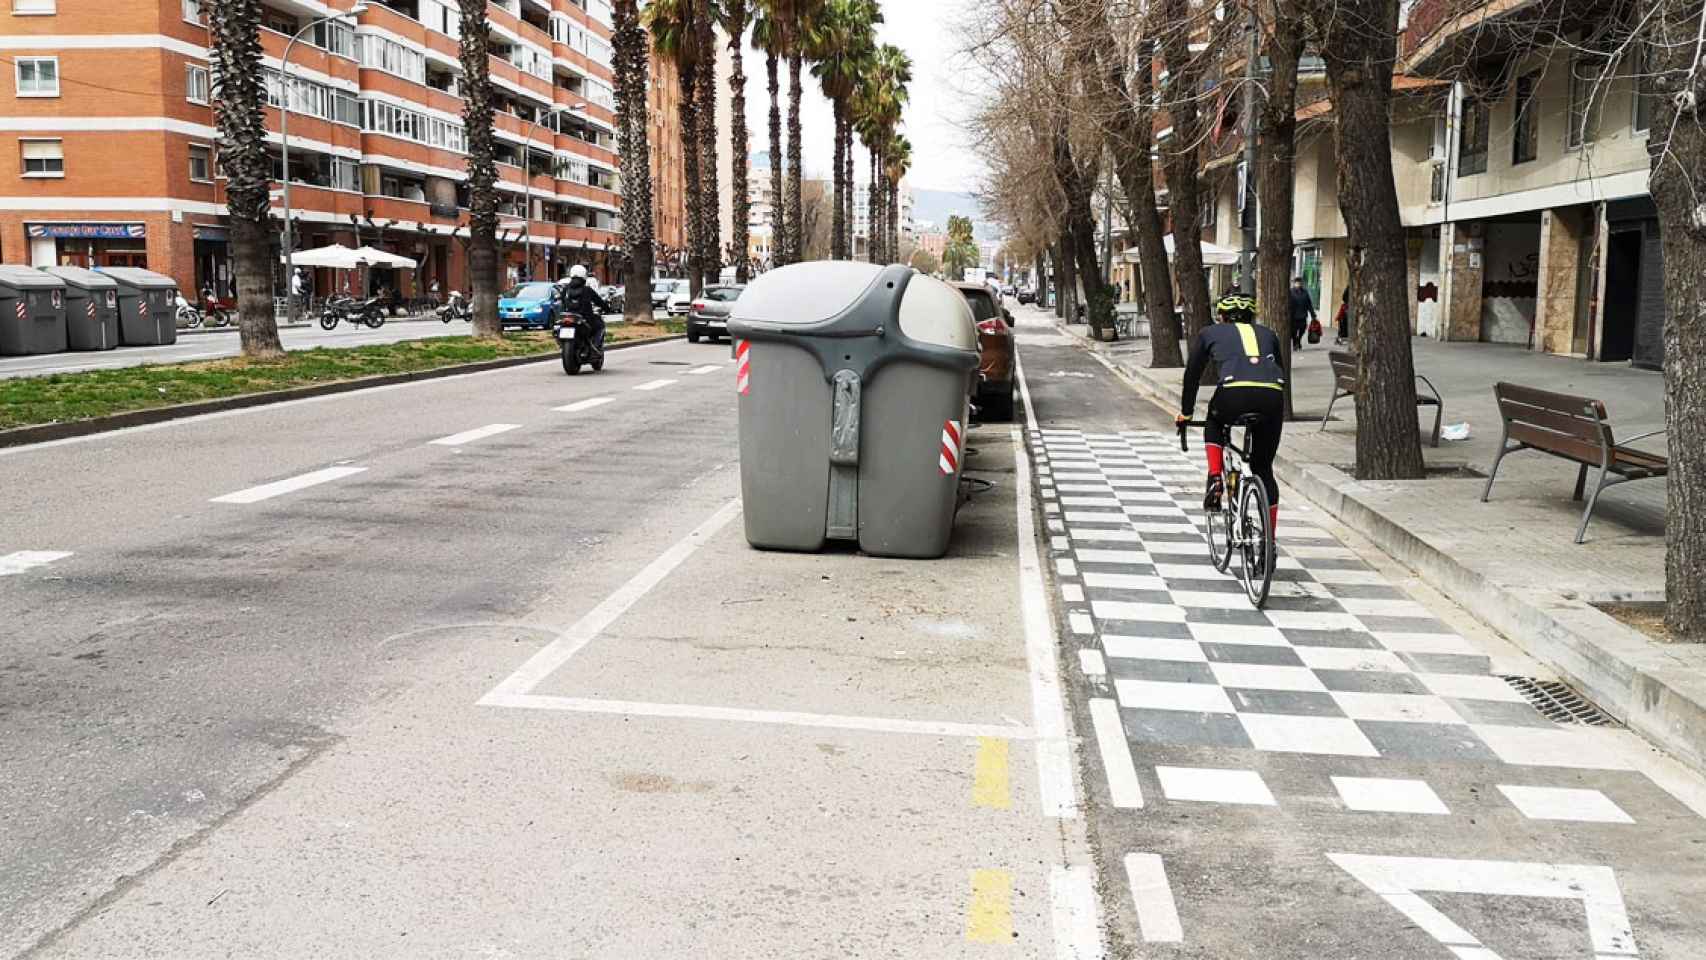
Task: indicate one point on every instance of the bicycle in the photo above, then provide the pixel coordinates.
(1243, 524)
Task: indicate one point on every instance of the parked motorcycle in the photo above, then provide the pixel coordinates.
(578, 348)
(369, 312)
(456, 309)
(190, 316)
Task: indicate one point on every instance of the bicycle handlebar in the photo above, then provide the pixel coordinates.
(1184, 426)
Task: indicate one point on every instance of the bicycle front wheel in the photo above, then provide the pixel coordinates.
(1256, 541)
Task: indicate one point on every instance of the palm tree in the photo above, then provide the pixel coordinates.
(899, 162)
(674, 28)
(477, 102)
(799, 32)
(842, 47)
(767, 36)
(236, 31)
(628, 42)
(710, 196)
(734, 15)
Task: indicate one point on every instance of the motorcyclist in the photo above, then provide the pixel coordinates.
(581, 298)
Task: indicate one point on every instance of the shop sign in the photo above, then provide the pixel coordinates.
(86, 231)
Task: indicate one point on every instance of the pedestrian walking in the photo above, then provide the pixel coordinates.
(1343, 320)
(1302, 311)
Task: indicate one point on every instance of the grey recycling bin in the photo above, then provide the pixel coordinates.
(146, 312)
(91, 308)
(32, 311)
(853, 383)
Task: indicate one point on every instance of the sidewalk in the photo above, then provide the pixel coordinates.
(1511, 562)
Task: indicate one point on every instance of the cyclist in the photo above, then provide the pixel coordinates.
(1251, 381)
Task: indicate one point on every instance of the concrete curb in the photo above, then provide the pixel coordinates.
(41, 433)
(1655, 689)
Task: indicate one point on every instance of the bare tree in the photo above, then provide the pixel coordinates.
(1276, 163)
(1174, 23)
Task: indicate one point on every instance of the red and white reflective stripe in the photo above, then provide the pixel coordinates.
(949, 459)
(91, 305)
(21, 311)
(743, 367)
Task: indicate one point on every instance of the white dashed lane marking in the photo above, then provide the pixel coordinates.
(478, 433)
(588, 404)
(267, 491)
(656, 384)
(22, 560)
(708, 368)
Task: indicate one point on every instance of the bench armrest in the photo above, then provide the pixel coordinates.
(1431, 388)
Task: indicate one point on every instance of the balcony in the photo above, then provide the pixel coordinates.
(1444, 35)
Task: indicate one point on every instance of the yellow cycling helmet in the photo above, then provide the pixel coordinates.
(1237, 307)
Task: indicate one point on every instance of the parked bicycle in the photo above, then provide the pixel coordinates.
(1243, 525)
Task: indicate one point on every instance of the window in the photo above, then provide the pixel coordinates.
(201, 163)
(600, 93)
(1472, 142)
(334, 37)
(195, 83)
(38, 76)
(193, 12)
(600, 10)
(381, 117)
(1584, 110)
(1642, 112)
(313, 99)
(1526, 140)
(43, 158)
(392, 57)
(345, 175)
(32, 6)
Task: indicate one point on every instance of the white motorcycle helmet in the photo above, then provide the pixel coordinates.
(577, 272)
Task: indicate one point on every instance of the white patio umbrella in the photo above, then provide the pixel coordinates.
(373, 257)
(1213, 255)
(336, 256)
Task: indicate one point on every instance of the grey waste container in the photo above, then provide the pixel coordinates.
(853, 383)
(146, 313)
(91, 308)
(32, 311)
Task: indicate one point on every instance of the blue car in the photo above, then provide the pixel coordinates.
(529, 305)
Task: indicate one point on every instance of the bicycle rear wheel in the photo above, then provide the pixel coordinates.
(1220, 535)
(1256, 546)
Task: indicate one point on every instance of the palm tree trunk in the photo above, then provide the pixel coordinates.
(482, 169)
(778, 202)
(630, 44)
(849, 177)
(710, 197)
(838, 216)
(738, 140)
(796, 240)
(235, 30)
(871, 212)
(695, 186)
(894, 221)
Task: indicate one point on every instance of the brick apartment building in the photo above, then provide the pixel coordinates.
(110, 153)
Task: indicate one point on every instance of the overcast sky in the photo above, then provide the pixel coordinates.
(927, 31)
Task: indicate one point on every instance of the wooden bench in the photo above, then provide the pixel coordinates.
(1345, 383)
(1574, 429)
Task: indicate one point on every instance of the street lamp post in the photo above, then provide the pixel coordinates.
(284, 147)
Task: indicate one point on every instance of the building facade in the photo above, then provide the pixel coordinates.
(668, 163)
(114, 156)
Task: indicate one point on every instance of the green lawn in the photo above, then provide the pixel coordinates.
(27, 401)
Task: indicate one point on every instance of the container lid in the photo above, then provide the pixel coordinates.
(138, 277)
(933, 312)
(82, 278)
(805, 293)
(20, 276)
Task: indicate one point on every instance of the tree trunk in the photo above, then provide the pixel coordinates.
(1276, 159)
(1039, 281)
(1079, 238)
(1184, 79)
(796, 238)
(482, 169)
(778, 200)
(1065, 277)
(1678, 182)
(871, 211)
(234, 29)
(892, 250)
(630, 42)
(838, 216)
(690, 155)
(738, 140)
(1359, 44)
(710, 196)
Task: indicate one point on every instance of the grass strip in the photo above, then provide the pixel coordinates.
(62, 397)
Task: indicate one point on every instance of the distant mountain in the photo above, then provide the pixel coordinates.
(937, 205)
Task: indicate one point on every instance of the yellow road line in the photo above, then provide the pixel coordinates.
(992, 786)
(989, 918)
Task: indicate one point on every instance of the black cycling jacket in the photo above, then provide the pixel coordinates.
(1245, 354)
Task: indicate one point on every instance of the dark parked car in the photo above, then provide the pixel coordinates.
(1027, 296)
(997, 386)
(709, 315)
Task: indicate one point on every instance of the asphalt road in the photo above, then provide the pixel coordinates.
(484, 667)
(222, 342)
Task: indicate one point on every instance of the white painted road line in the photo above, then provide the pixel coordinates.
(22, 560)
(1056, 789)
(1152, 896)
(1123, 788)
(656, 384)
(267, 491)
(580, 405)
(788, 718)
(707, 368)
(478, 433)
(1077, 929)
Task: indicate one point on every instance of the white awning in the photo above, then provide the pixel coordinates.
(1213, 255)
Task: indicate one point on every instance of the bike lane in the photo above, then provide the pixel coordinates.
(1344, 774)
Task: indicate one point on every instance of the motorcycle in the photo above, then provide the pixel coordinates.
(456, 309)
(369, 312)
(190, 316)
(578, 348)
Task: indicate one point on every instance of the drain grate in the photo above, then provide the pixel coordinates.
(1558, 703)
